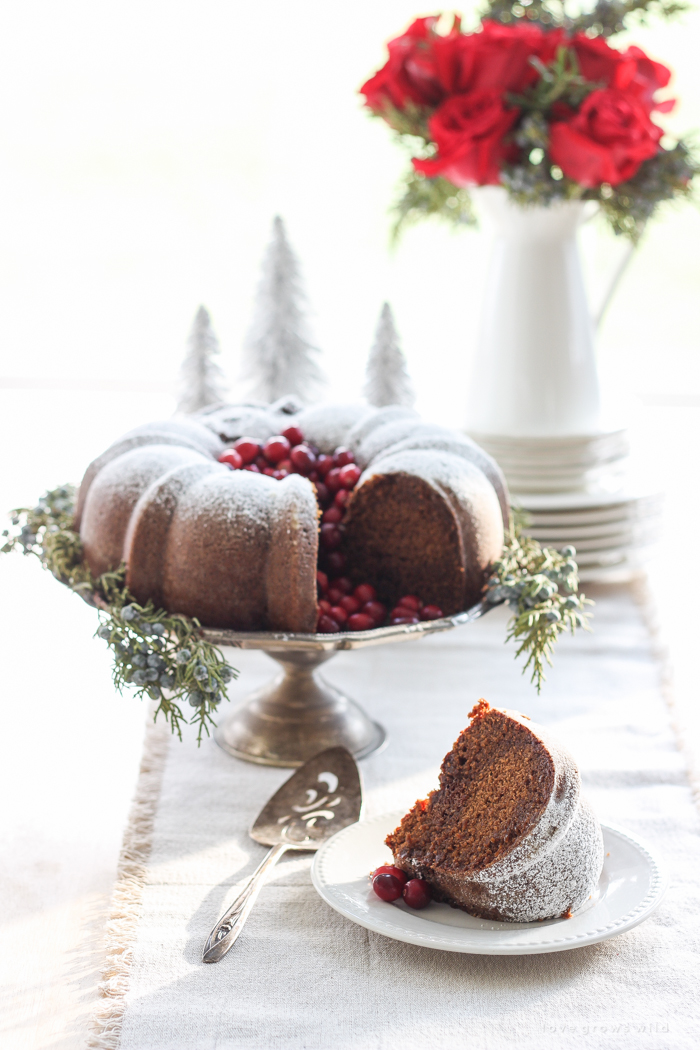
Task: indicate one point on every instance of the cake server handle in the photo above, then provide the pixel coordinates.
(224, 935)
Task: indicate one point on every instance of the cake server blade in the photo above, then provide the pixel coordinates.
(321, 797)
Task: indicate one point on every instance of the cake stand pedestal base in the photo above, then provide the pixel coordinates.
(295, 716)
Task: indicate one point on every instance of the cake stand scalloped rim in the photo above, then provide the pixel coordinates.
(406, 929)
(280, 640)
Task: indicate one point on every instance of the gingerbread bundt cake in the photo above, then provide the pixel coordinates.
(239, 549)
(507, 834)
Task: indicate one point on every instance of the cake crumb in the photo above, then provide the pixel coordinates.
(479, 709)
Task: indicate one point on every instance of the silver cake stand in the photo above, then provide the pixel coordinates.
(298, 713)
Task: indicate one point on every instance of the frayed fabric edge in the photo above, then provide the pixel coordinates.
(125, 904)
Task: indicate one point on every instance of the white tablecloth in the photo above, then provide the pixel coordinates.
(301, 976)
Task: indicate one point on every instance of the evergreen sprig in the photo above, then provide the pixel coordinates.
(161, 655)
(541, 584)
(424, 197)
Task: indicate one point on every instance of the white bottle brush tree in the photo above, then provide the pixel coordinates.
(386, 380)
(202, 381)
(279, 357)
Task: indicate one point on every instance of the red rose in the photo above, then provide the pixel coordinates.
(600, 63)
(631, 70)
(649, 76)
(502, 54)
(606, 141)
(468, 131)
(411, 74)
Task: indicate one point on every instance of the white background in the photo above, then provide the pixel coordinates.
(144, 149)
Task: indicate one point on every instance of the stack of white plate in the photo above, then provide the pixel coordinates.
(577, 490)
(569, 463)
(613, 533)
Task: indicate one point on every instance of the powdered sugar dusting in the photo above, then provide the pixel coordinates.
(553, 870)
(328, 426)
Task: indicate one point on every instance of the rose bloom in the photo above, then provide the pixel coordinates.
(606, 141)
(631, 70)
(411, 73)
(500, 55)
(469, 131)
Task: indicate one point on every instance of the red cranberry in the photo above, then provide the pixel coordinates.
(339, 614)
(350, 475)
(343, 584)
(270, 471)
(303, 458)
(341, 498)
(332, 516)
(350, 604)
(387, 887)
(324, 605)
(280, 474)
(376, 610)
(342, 456)
(324, 464)
(276, 449)
(431, 612)
(313, 476)
(391, 869)
(231, 458)
(335, 595)
(326, 625)
(403, 619)
(293, 435)
(252, 467)
(287, 465)
(247, 449)
(365, 592)
(360, 622)
(333, 479)
(331, 537)
(322, 581)
(409, 601)
(335, 561)
(261, 463)
(416, 893)
(322, 494)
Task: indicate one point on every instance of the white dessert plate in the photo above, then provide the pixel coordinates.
(631, 886)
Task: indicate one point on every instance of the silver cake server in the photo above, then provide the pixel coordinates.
(322, 797)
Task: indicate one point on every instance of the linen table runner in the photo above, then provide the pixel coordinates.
(302, 976)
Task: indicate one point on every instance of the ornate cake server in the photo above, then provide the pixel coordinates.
(321, 797)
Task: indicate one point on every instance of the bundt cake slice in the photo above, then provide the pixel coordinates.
(507, 834)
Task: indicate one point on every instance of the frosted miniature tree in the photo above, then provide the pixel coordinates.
(386, 380)
(279, 358)
(202, 381)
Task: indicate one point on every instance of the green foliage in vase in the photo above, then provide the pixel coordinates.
(607, 18)
(160, 655)
(422, 198)
(541, 585)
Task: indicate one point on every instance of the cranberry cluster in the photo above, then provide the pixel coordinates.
(390, 883)
(288, 453)
(341, 607)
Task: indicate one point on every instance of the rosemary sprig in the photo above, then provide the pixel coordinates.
(541, 584)
(160, 655)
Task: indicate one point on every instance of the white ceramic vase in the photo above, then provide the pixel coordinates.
(534, 373)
